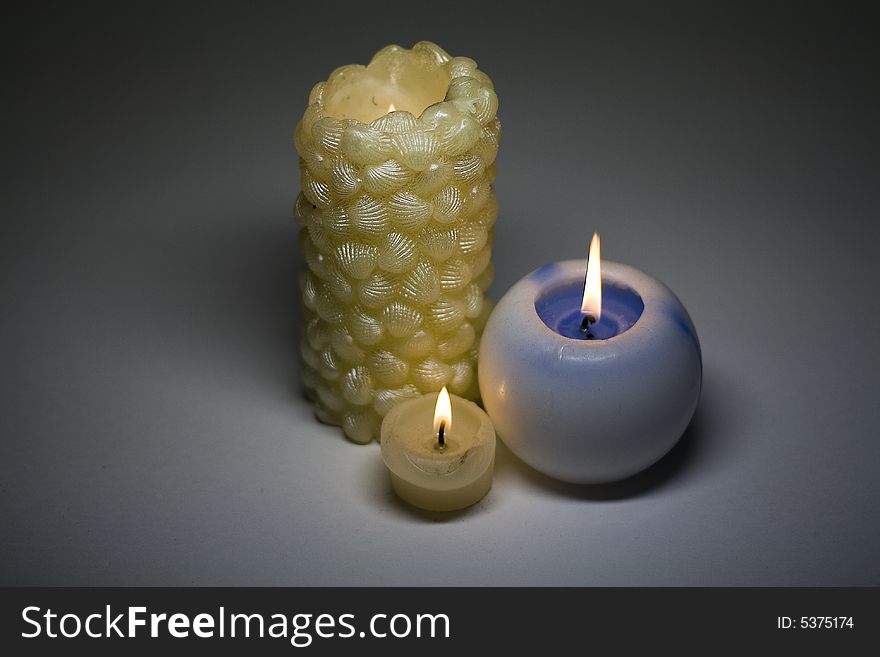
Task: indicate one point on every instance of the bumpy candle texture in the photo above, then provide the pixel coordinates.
(396, 214)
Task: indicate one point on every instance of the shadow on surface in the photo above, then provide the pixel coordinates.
(246, 283)
(708, 440)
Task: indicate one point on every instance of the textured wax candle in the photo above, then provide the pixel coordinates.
(590, 410)
(439, 458)
(396, 212)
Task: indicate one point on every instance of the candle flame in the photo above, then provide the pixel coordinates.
(591, 306)
(391, 108)
(443, 412)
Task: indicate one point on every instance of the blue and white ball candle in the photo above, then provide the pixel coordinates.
(590, 402)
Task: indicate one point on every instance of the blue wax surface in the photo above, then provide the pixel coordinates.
(560, 309)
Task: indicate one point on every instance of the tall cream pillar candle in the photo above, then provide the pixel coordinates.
(396, 211)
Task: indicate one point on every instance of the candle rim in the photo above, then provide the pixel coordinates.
(470, 92)
(653, 293)
(575, 286)
(483, 438)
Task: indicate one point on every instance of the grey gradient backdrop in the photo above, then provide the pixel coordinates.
(151, 429)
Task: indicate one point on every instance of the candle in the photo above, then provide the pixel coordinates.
(590, 381)
(397, 213)
(436, 463)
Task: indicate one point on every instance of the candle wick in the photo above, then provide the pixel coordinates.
(441, 435)
(585, 326)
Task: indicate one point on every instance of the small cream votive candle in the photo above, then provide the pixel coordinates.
(435, 464)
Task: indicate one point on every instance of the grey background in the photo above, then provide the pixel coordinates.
(151, 428)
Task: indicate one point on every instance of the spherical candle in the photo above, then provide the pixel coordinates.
(397, 209)
(440, 451)
(589, 402)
